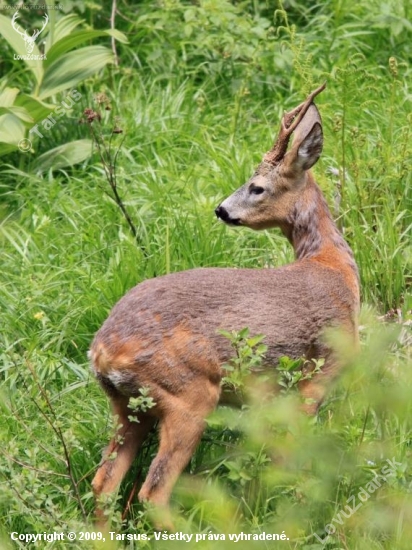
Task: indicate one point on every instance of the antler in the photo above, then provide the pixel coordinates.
(36, 33)
(16, 27)
(287, 126)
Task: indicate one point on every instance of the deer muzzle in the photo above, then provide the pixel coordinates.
(224, 215)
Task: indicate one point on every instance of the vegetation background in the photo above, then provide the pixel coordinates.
(196, 90)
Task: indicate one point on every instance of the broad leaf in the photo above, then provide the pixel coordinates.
(64, 27)
(7, 96)
(75, 39)
(6, 148)
(17, 43)
(64, 155)
(72, 68)
(38, 109)
(12, 131)
(19, 112)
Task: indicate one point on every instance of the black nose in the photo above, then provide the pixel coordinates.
(221, 213)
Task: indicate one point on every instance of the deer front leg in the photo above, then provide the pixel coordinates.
(313, 390)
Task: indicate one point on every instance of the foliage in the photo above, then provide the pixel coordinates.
(142, 403)
(248, 366)
(199, 91)
(248, 358)
(293, 371)
(57, 69)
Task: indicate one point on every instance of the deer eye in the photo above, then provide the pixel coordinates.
(255, 190)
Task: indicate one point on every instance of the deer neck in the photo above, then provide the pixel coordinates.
(314, 235)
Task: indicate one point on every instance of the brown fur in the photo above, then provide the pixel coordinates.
(163, 334)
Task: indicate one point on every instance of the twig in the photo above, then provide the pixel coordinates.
(34, 439)
(59, 434)
(131, 496)
(110, 171)
(29, 467)
(108, 159)
(112, 26)
(136, 481)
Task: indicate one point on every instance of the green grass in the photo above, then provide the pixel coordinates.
(198, 108)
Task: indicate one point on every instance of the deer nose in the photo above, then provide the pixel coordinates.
(221, 213)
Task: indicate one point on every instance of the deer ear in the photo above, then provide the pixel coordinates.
(311, 147)
(307, 142)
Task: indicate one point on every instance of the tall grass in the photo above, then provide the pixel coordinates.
(199, 95)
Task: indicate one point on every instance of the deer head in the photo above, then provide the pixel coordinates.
(28, 40)
(268, 198)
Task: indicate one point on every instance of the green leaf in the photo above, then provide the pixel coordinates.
(8, 96)
(25, 107)
(64, 155)
(244, 333)
(64, 27)
(17, 43)
(225, 333)
(12, 130)
(72, 68)
(19, 112)
(6, 148)
(252, 342)
(75, 39)
(38, 109)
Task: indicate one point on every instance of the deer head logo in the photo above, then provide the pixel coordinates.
(28, 40)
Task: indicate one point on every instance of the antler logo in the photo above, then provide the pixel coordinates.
(28, 40)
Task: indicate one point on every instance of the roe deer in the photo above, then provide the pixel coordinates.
(164, 333)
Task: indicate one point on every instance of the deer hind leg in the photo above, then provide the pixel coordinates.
(120, 452)
(181, 428)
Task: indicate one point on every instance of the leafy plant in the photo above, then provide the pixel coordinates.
(63, 66)
(141, 404)
(249, 354)
(293, 371)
